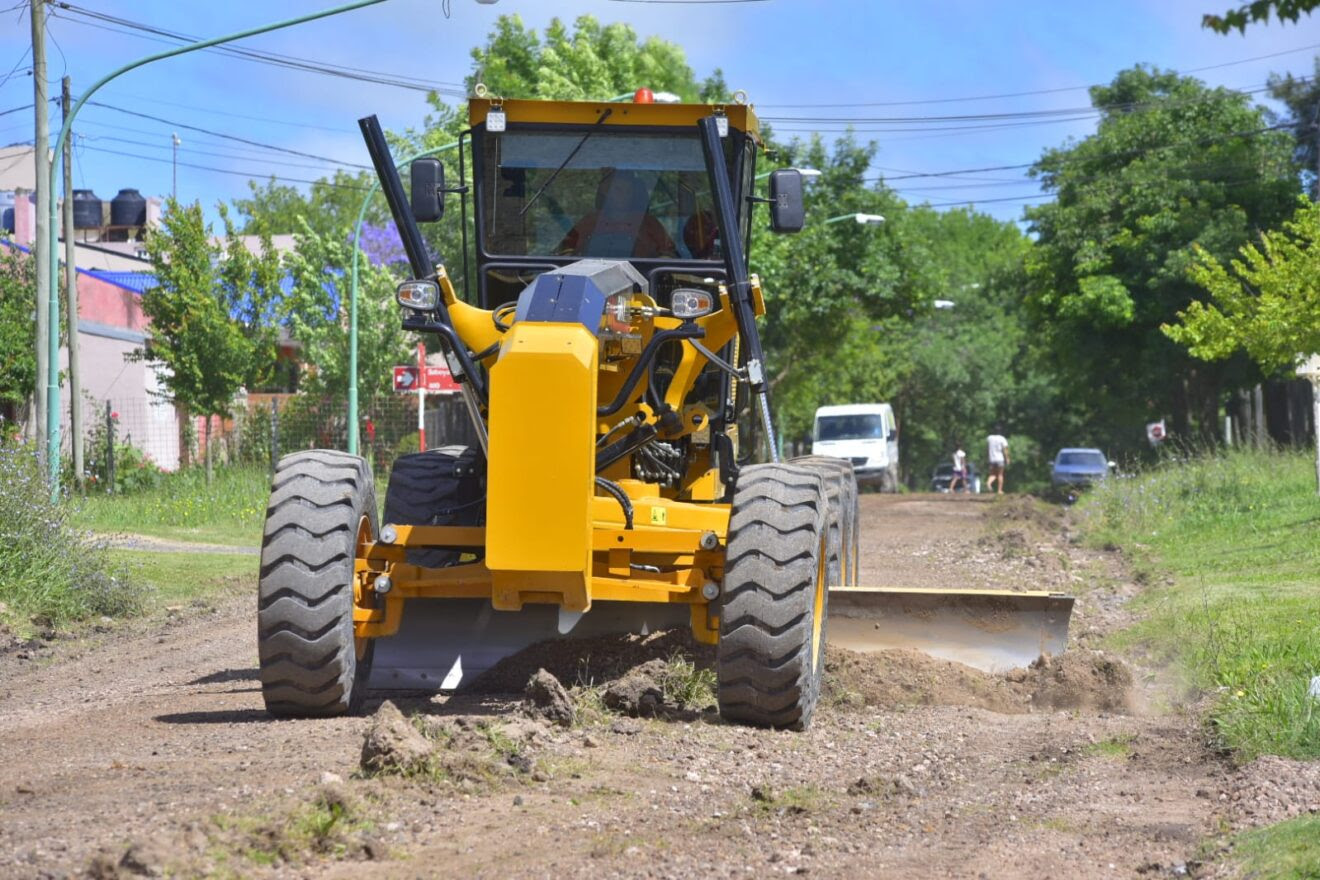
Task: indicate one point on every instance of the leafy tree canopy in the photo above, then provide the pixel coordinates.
(1258, 11)
(1173, 166)
(18, 360)
(1265, 302)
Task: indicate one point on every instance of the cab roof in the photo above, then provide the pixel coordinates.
(624, 114)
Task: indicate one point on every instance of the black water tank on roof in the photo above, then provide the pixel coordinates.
(128, 208)
(86, 209)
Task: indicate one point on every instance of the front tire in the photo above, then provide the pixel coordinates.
(775, 597)
(322, 509)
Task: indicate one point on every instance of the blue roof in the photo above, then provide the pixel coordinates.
(138, 282)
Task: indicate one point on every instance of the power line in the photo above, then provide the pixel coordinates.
(117, 25)
(1033, 92)
(251, 175)
(213, 112)
(228, 137)
(248, 157)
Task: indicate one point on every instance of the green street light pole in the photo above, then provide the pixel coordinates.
(353, 303)
(52, 268)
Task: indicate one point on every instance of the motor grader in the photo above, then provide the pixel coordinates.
(624, 475)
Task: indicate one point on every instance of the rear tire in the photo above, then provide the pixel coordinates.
(841, 491)
(775, 597)
(439, 487)
(321, 503)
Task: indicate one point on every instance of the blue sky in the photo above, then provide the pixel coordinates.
(791, 56)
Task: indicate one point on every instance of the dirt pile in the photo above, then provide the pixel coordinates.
(1082, 680)
(590, 661)
(1078, 680)
(1272, 789)
(641, 692)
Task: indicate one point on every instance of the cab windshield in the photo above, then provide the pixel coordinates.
(868, 426)
(623, 195)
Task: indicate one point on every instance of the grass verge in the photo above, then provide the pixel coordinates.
(1286, 851)
(183, 507)
(1229, 544)
(172, 578)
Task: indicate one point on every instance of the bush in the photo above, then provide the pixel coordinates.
(134, 469)
(50, 572)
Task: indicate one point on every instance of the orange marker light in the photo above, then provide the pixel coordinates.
(643, 96)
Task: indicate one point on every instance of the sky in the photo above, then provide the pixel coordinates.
(794, 58)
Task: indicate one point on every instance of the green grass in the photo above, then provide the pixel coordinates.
(1115, 747)
(1238, 535)
(183, 507)
(1286, 851)
(172, 578)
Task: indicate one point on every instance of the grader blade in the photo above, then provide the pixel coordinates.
(446, 643)
(992, 630)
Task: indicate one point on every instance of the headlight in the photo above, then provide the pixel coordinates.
(688, 302)
(421, 296)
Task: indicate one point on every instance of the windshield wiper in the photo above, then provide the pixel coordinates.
(594, 127)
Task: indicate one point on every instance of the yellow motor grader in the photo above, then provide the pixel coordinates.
(608, 357)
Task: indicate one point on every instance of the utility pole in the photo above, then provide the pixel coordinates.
(40, 247)
(71, 300)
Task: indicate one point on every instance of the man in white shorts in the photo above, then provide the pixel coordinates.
(997, 449)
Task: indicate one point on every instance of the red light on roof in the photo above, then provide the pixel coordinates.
(643, 96)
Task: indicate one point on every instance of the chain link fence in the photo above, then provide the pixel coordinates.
(132, 441)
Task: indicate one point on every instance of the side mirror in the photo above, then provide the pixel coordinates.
(786, 211)
(892, 435)
(428, 184)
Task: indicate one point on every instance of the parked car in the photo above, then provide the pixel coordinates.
(865, 434)
(943, 476)
(1077, 468)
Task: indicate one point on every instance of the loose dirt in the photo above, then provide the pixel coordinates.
(147, 752)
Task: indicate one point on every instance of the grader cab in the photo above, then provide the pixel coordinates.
(624, 476)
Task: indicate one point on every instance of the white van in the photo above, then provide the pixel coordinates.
(865, 434)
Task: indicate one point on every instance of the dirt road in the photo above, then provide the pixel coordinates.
(148, 751)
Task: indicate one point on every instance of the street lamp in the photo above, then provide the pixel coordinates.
(51, 268)
(860, 219)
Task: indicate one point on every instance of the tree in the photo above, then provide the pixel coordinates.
(316, 313)
(1302, 98)
(1258, 11)
(1172, 166)
(1266, 302)
(590, 63)
(18, 360)
(192, 334)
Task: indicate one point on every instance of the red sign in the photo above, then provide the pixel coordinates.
(435, 379)
(439, 379)
(405, 378)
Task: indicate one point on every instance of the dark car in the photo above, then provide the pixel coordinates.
(943, 476)
(1078, 468)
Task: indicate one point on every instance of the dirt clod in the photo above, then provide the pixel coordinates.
(392, 744)
(547, 698)
(640, 693)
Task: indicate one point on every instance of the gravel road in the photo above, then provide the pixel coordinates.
(146, 749)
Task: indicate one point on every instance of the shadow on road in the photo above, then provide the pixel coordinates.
(219, 716)
(225, 675)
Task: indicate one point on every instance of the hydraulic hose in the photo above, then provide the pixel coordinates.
(620, 496)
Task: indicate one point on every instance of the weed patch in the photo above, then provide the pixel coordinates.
(51, 572)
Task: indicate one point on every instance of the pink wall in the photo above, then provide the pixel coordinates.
(107, 303)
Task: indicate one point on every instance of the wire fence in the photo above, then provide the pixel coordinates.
(128, 440)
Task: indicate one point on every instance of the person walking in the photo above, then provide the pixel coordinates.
(959, 470)
(997, 450)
